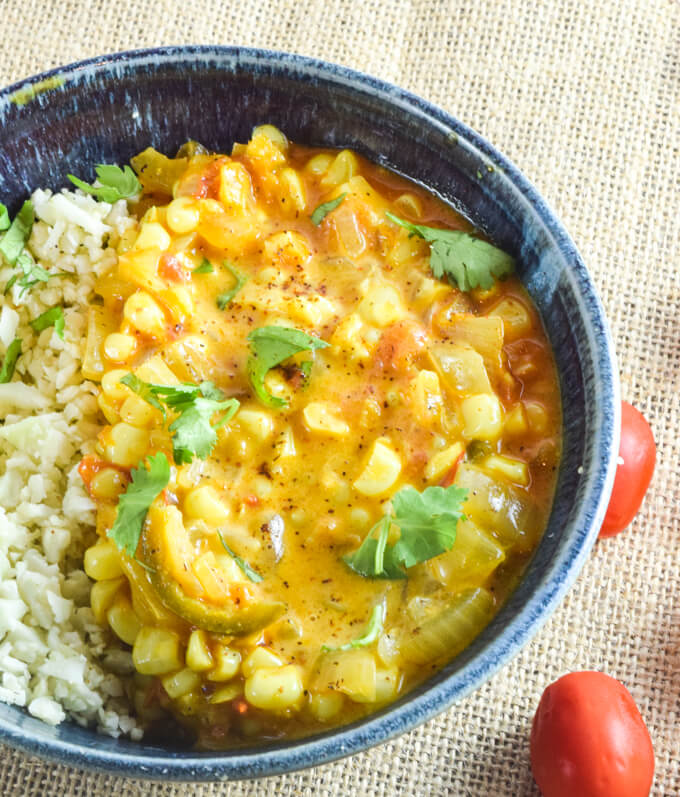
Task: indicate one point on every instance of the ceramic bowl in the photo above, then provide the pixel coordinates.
(107, 109)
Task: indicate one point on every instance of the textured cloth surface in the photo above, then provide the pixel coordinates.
(584, 96)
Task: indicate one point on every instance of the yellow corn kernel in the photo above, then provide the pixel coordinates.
(228, 662)
(156, 651)
(142, 312)
(326, 705)
(123, 621)
(516, 318)
(119, 347)
(344, 166)
(427, 396)
(274, 689)
(381, 471)
(102, 561)
(183, 215)
(152, 236)
(235, 186)
(443, 461)
(102, 595)
(537, 417)
(293, 186)
(141, 268)
(198, 656)
(516, 421)
(112, 386)
(382, 304)
(204, 503)
(409, 203)
(348, 337)
(313, 311)
(108, 484)
(262, 147)
(515, 470)
(181, 683)
(324, 418)
(482, 417)
(428, 290)
(156, 371)
(125, 444)
(277, 138)
(406, 248)
(319, 163)
(260, 657)
(258, 423)
(135, 411)
(287, 248)
(108, 408)
(386, 684)
(261, 486)
(226, 693)
(191, 704)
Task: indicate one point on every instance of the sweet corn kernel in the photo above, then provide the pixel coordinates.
(258, 423)
(181, 683)
(344, 166)
(102, 595)
(157, 651)
(313, 311)
(381, 471)
(428, 290)
(516, 421)
(119, 347)
(227, 664)
(288, 248)
(348, 337)
(515, 470)
(273, 133)
(102, 561)
(482, 417)
(427, 396)
(204, 503)
(191, 704)
(326, 705)
(108, 484)
(274, 689)
(226, 693)
(235, 187)
(319, 163)
(140, 266)
(135, 411)
(152, 236)
(125, 444)
(198, 656)
(108, 408)
(382, 305)
(183, 215)
(292, 183)
(443, 461)
(260, 657)
(262, 487)
(112, 386)
(144, 314)
(123, 621)
(324, 418)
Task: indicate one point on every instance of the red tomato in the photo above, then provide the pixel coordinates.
(637, 454)
(589, 740)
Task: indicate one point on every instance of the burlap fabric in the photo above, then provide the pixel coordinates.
(585, 97)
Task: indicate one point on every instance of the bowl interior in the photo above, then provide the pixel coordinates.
(111, 108)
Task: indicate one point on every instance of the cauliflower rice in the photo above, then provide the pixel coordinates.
(54, 658)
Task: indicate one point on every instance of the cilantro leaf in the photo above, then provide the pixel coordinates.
(4, 218)
(9, 361)
(246, 569)
(115, 183)
(134, 503)
(323, 210)
(14, 240)
(193, 433)
(224, 298)
(373, 630)
(427, 523)
(467, 260)
(32, 273)
(206, 267)
(270, 346)
(52, 317)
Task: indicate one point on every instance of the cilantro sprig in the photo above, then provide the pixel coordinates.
(14, 240)
(270, 346)
(427, 524)
(52, 317)
(373, 630)
(9, 361)
(133, 505)
(325, 208)
(466, 260)
(240, 280)
(245, 568)
(115, 183)
(4, 218)
(206, 267)
(193, 432)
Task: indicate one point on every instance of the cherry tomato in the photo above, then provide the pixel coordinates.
(637, 453)
(589, 740)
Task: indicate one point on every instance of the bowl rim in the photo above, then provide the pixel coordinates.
(393, 721)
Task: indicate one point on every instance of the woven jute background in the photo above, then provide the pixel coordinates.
(584, 95)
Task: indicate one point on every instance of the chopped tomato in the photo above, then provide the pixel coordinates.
(400, 345)
(171, 269)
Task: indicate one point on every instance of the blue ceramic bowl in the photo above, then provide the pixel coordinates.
(109, 108)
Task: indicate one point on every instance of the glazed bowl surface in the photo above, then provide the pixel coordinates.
(108, 109)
